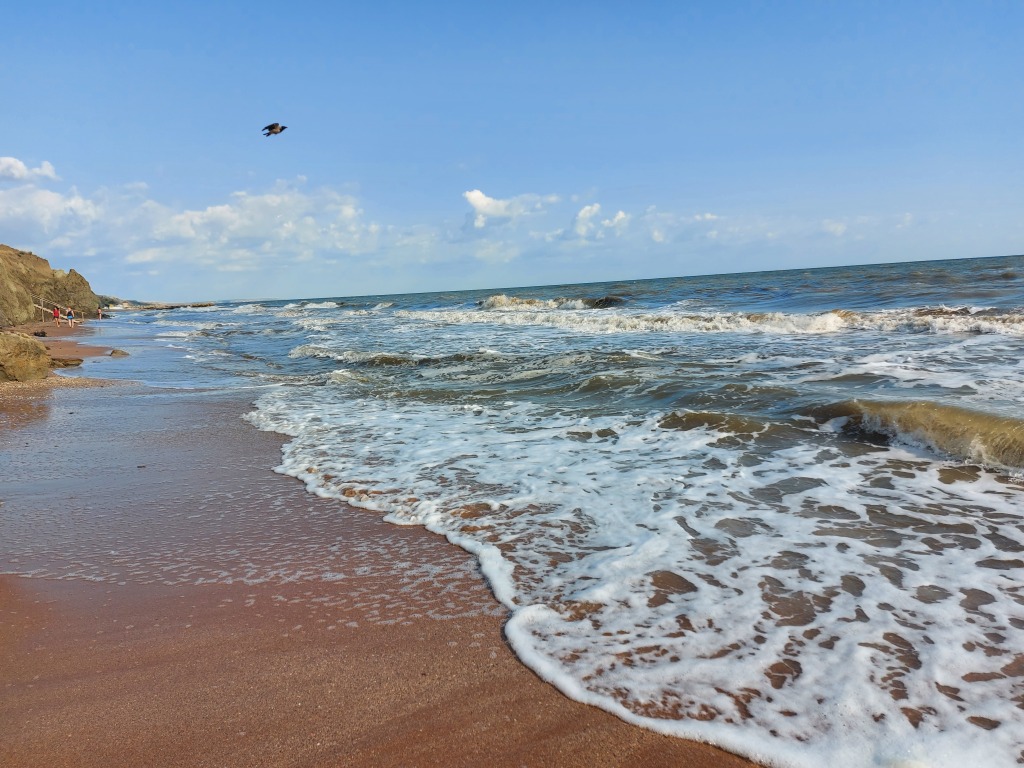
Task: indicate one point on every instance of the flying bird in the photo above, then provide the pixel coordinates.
(273, 129)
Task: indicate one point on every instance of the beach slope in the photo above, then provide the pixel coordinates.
(170, 601)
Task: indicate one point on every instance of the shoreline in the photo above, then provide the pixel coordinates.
(63, 342)
(190, 607)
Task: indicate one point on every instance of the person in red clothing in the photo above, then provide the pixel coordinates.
(56, 315)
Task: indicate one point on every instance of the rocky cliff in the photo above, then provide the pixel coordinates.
(26, 279)
(24, 275)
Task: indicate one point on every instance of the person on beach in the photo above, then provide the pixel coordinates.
(71, 317)
(56, 315)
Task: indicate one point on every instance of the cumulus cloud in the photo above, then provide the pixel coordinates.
(249, 231)
(16, 170)
(587, 224)
(290, 239)
(485, 208)
(584, 223)
(670, 226)
(285, 223)
(33, 212)
(618, 222)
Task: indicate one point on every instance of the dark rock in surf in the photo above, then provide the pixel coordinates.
(605, 302)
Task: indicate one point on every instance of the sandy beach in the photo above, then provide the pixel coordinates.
(177, 611)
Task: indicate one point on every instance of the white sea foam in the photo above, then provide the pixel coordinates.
(508, 303)
(252, 309)
(211, 308)
(345, 375)
(651, 491)
(724, 322)
(703, 587)
(194, 325)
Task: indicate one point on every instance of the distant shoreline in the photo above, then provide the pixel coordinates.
(133, 306)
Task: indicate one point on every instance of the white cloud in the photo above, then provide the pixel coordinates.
(261, 233)
(33, 212)
(143, 256)
(833, 227)
(658, 225)
(13, 168)
(249, 229)
(668, 226)
(496, 252)
(485, 207)
(587, 225)
(291, 240)
(618, 222)
(584, 223)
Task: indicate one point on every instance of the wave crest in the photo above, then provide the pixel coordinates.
(983, 438)
(373, 359)
(502, 302)
(516, 311)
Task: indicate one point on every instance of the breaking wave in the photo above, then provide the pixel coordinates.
(372, 359)
(987, 439)
(503, 302)
(525, 312)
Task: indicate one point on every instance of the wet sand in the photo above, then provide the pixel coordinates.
(188, 607)
(65, 342)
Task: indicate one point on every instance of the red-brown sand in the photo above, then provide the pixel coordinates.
(63, 341)
(337, 652)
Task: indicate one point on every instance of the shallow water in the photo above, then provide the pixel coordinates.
(781, 512)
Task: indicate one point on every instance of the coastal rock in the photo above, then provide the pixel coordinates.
(26, 278)
(65, 362)
(22, 358)
(118, 353)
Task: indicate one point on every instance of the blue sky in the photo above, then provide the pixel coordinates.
(435, 146)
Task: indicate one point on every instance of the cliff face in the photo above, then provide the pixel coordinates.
(24, 275)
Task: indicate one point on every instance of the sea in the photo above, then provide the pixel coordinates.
(781, 512)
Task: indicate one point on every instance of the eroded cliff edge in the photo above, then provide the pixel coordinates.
(27, 280)
(24, 275)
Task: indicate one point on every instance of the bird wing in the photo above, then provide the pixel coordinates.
(272, 126)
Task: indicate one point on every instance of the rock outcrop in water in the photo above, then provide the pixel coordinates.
(26, 282)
